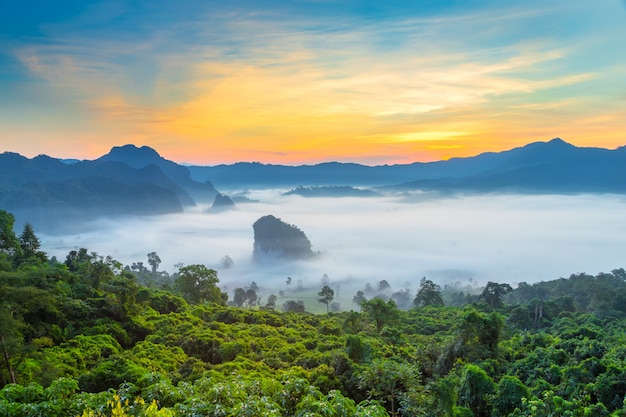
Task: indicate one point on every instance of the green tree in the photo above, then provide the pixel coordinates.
(239, 298)
(429, 294)
(271, 301)
(389, 381)
(476, 391)
(92, 268)
(481, 331)
(198, 284)
(358, 298)
(493, 293)
(326, 295)
(30, 245)
(251, 297)
(509, 396)
(353, 323)
(294, 306)
(9, 243)
(444, 395)
(10, 342)
(124, 288)
(381, 312)
(154, 261)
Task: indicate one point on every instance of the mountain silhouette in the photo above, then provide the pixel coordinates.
(140, 157)
(553, 166)
(46, 191)
(131, 180)
(541, 167)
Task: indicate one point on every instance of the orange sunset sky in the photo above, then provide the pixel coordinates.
(293, 82)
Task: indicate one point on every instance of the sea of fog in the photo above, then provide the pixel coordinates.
(456, 240)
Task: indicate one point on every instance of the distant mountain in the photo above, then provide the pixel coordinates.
(331, 191)
(202, 192)
(554, 166)
(48, 192)
(130, 180)
(221, 203)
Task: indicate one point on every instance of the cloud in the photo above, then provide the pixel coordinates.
(222, 79)
(501, 238)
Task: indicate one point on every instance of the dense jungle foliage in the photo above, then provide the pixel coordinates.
(82, 337)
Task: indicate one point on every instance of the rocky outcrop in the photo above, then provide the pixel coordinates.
(221, 203)
(274, 238)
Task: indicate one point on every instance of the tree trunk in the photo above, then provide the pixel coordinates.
(538, 313)
(7, 360)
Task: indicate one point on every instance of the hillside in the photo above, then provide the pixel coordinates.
(49, 192)
(201, 192)
(127, 181)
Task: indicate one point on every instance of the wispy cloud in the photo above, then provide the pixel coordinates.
(224, 79)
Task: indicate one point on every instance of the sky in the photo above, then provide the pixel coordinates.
(307, 81)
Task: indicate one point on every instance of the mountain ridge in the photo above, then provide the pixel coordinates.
(138, 180)
(251, 174)
(140, 157)
(52, 194)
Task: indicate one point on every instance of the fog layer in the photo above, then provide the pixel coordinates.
(503, 238)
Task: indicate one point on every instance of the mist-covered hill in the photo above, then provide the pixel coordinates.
(131, 180)
(201, 192)
(331, 191)
(128, 181)
(553, 166)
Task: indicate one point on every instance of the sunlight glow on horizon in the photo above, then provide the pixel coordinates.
(225, 84)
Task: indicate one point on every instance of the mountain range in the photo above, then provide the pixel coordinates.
(52, 194)
(554, 166)
(132, 180)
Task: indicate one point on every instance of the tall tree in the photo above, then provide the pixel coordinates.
(271, 301)
(198, 284)
(494, 293)
(359, 298)
(251, 297)
(10, 342)
(429, 294)
(325, 280)
(154, 261)
(30, 244)
(326, 296)
(476, 391)
(239, 297)
(389, 381)
(9, 243)
(383, 285)
(381, 312)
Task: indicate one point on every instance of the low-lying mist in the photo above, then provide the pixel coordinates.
(464, 240)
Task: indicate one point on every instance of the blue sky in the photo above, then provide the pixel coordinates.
(309, 81)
